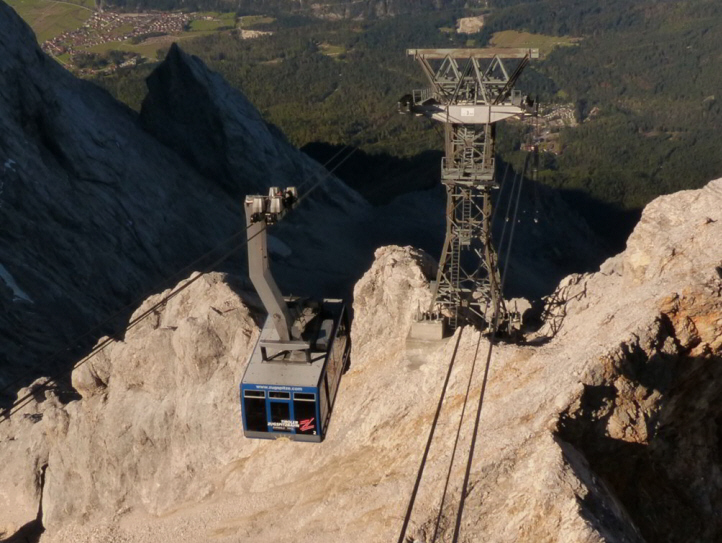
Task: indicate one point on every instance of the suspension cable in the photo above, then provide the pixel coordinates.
(474, 360)
(501, 193)
(508, 212)
(513, 223)
(22, 402)
(437, 524)
(96, 328)
(487, 367)
(158, 286)
(472, 445)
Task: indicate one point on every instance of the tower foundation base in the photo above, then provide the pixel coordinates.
(427, 330)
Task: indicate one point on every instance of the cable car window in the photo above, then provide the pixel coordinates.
(280, 395)
(280, 412)
(255, 410)
(304, 396)
(254, 394)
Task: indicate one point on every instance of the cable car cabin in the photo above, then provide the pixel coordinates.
(291, 381)
(289, 387)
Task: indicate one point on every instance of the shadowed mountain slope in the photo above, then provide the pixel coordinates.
(95, 211)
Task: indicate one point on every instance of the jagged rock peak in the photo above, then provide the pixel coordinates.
(16, 37)
(388, 296)
(648, 328)
(169, 379)
(194, 111)
(198, 114)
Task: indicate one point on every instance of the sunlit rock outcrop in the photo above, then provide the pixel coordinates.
(604, 420)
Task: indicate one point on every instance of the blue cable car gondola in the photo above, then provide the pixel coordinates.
(290, 384)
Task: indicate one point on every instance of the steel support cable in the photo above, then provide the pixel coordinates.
(97, 327)
(468, 389)
(347, 146)
(501, 193)
(508, 212)
(472, 445)
(513, 224)
(325, 165)
(424, 457)
(534, 145)
(28, 397)
(395, 182)
(485, 380)
(25, 400)
(369, 193)
(323, 179)
(22, 402)
(482, 393)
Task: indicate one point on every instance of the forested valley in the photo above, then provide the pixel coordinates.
(648, 69)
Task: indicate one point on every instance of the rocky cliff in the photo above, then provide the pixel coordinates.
(603, 426)
(99, 207)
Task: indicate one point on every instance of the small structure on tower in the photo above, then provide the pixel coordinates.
(471, 90)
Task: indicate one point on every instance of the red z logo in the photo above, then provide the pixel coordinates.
(306, 425)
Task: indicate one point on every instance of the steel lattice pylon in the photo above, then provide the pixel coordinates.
(471, 90)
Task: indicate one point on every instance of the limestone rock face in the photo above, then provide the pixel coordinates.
(93, 210)
(147, 431)
(158, 426)
(195, 112)
(602, 426)
(26, 443)
(387, 297)
(645, 418)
